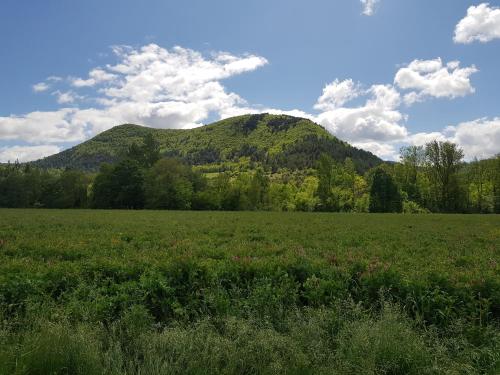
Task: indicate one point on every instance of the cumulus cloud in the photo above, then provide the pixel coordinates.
(66, 97)
(182, 88)
(175, 88)
(369, 7)
(42, 127)
(96, 76)
(40, 87)
(385, 151)
(372, 126)
(482, 24)
(420, 139)
(47, 84)
(479, 138)
(26, 153)
(157, 74)
(431, 78)
(338, 93)
(379, 125)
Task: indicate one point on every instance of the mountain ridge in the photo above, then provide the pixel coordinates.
(275, 141)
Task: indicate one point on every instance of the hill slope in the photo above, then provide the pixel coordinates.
(274, 140)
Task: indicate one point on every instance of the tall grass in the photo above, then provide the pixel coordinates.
(344, 339)
(248, 293)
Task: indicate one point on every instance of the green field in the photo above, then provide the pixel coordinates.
(146, 292)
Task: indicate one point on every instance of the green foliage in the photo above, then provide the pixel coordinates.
(325, 183)
(384, 193)
(386, 345)
(412, 161)
(58, 349)
(340, 188)
(443, 162)
(224, 292)
(427, 180)
(146, 154)
(25, 186)
(274, 141)
(306, 199)
(170, 184)
(410, 207)
(119, 186)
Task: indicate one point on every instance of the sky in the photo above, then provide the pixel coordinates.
(380, 74)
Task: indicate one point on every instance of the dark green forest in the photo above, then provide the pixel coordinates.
(433, 178)
(273, 141)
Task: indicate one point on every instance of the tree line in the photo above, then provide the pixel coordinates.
(432, 178)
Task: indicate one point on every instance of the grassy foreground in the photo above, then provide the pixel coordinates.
(138, 292)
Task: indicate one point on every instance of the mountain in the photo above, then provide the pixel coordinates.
(276, 141)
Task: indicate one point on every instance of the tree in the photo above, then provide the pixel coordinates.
(443, 160)
(384, 193)
(119, 186)
(11, 187)
(479, 173)
(412, 161)
(349, 182)
(221, 188)
(146, 154)
(169, 184)
(258, 190)
(481, 183)
(495, 173)
(339, 185)
(281, 196)
(71, 188)
(325, 183)
(151, 150)
(306, 198)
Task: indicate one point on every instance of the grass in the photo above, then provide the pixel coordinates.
(145, 292)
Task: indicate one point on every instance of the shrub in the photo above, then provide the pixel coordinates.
(387, 345)
(58, 349)
(410, 207)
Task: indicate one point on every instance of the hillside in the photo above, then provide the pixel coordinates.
(276, 141)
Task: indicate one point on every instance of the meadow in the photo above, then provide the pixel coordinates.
(172, 292)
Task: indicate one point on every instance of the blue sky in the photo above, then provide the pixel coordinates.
(377, 73)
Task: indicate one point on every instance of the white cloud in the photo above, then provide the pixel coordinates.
(338, 93)
(420, 139)
(96, 76)
(385, 151)
(157, 74)
(42, 127)
(431, 78)
(26, 153)
(66, 97)
(181, 88)
(369, 6)
(482, 23)
(479, 138)
(153, 86)
(54, 79)
(377, 121)
(40, 87)
(44, 86)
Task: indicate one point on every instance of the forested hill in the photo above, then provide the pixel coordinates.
(275, 141)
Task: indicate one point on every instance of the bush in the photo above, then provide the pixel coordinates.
(387, 345)
(410, 207)
(57, 349)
